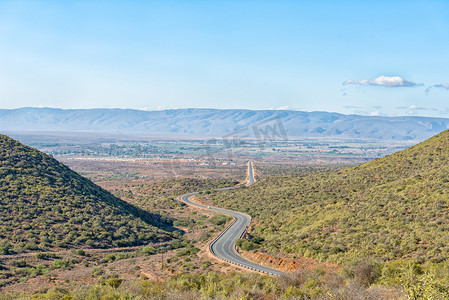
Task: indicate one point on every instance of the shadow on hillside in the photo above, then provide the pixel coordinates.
(153, 219)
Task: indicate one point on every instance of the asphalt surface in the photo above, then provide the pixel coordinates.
(250, 179)
(223, 246)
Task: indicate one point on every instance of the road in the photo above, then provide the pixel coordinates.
(223, 246)
(250, 179)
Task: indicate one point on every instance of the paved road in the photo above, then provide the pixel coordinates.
(224, 245)
(251, 179)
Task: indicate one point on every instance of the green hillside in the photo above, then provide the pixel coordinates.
(44, 205)
(391, 208)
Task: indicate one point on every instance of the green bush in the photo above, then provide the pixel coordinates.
(246, 245)
(97, 271)
(5, 250)
(45, 255)
(149, 250)
(80, 252)
(110, 257)
(114, 282)
(59, 264)
(219, 219)
(18, 263)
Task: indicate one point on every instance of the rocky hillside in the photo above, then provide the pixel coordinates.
(44, 205)
(392, 208)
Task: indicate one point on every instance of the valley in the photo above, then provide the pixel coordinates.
(308, 220)
(211, 150)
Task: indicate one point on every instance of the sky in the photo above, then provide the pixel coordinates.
(385, 58)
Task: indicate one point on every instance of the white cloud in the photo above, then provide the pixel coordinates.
(444, 86)
(285, 107)
(387, 81)
(412, 108)
(375, 113)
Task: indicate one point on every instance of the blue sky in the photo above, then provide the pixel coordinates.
(363, 57)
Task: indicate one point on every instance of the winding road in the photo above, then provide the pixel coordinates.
(223, 246)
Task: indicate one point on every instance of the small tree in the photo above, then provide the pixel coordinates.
(114, 282)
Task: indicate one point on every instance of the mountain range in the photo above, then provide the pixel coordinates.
(196, 122)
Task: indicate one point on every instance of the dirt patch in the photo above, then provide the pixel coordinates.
(197, 200)
(286, 264)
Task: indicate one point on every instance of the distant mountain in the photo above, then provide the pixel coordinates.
(391, 208)
(217, 123)
(45, 205)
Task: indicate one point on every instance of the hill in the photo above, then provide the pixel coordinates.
(392, 208)
(216, 123)
(44, 205)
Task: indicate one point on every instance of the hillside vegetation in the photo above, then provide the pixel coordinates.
(44, 204)
(388, 209)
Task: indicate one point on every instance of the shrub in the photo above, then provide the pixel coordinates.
(19, 263)
(45, 255)
(149, 250)
(110, 257)
(246, 245)
(80, 252)
(59, 264)
(5, 250)
(114, 282)
(292, 292)
(97, 271)
(219, 219)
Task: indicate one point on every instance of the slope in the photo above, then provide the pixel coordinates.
(44, 205)
(391, 208)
